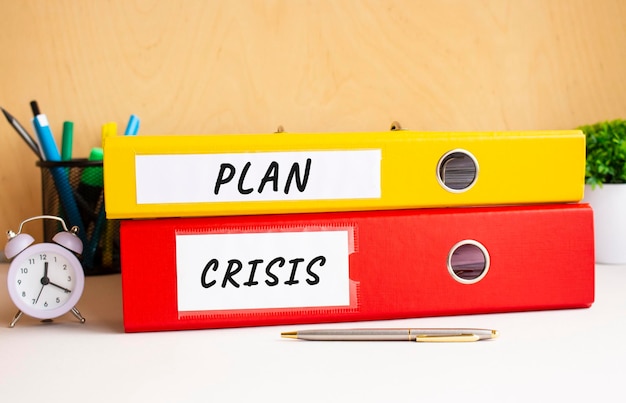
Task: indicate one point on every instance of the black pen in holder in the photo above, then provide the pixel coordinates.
(101, 240)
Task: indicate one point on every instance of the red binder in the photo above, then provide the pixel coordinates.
(198, 273)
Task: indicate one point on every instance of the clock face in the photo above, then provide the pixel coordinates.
(45, 280)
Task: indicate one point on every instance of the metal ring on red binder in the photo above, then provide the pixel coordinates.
(457, 171)
(468, 261)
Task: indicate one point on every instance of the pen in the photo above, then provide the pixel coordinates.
(23, 133)
(46, 139)
(133, 126)
(419, 335)
(59, 174)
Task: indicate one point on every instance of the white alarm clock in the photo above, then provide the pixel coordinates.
(45, 280)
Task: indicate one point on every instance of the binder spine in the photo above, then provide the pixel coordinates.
(189, 176)
(376, 264)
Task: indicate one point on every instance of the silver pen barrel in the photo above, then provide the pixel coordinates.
(353, 335)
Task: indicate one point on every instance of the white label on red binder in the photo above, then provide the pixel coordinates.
(263, 176)
(229, 271)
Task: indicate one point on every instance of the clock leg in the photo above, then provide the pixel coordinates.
(78, 315)
(17, 317)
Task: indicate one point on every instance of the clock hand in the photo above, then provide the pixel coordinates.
(58, 286)
(39, 295)
(44, 280)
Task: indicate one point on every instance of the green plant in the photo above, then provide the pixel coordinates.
(606, 152)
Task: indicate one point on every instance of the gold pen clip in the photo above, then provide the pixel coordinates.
(446, 338)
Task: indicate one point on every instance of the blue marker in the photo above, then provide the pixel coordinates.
(59, 174)
(133, 126)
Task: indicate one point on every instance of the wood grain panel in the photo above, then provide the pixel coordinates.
(196, 66)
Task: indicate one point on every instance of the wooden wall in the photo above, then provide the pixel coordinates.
(235, 66)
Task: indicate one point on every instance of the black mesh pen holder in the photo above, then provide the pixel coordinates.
(74, 191)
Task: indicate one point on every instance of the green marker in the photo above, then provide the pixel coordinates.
(89, 189)
(93, 176)
(66, 141)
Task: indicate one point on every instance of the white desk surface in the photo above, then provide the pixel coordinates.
(567, 355)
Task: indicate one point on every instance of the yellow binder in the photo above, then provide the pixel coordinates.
(242, 174)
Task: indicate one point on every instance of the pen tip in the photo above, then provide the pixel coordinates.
(289, 335)
(494, 334)
(35, 108)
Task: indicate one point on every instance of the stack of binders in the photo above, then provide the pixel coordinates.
(267, 229)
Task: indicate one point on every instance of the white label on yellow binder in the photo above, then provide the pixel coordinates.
(263, 176)
(262, 270)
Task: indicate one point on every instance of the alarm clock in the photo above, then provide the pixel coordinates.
(45, 280)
